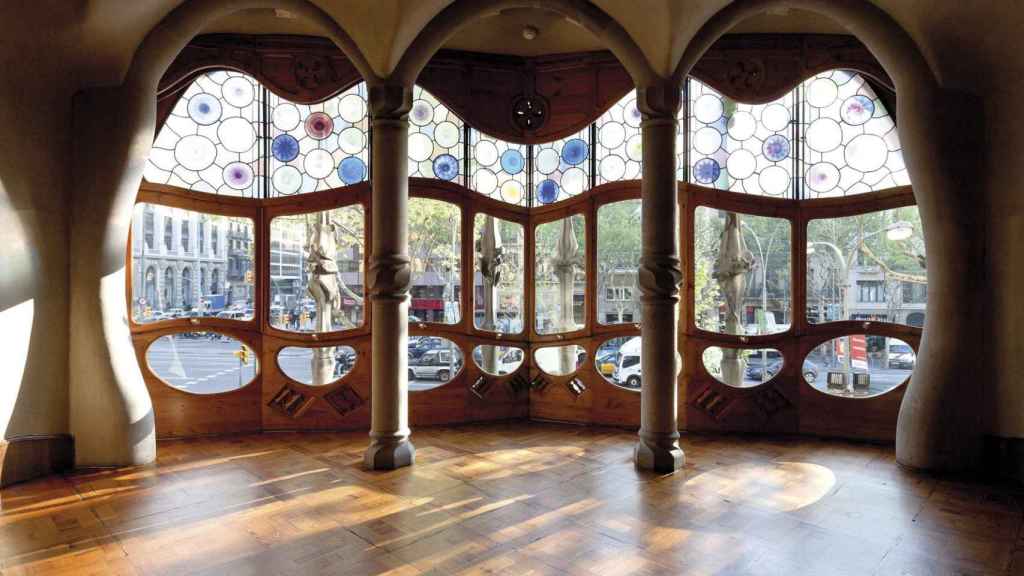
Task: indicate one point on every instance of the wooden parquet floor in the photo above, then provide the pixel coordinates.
(510, 498)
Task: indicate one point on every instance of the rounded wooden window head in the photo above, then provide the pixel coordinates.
(529, 112)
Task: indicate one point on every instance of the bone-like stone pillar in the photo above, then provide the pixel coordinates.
(660, 275)
(388, 280)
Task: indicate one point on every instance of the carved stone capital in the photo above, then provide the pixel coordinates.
(389, 277)
(660, 277)
(659, 101)
(389, 101)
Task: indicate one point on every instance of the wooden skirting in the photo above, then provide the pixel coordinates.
(27, 457)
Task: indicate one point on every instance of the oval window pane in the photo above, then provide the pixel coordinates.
(742, 272)
(618, 361)
(432, 361)
(498, 275)
(202, 362)
(316, 366)
(560, 360)
(742, 367)
(859, 365)
(316, 270)
(498, 360)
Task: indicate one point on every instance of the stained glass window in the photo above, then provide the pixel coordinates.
(209, 143)
(619, 143)
(561, 169)
(498, 169)
(318, 146)
(850, 141)
(435, 139)
(740, 147)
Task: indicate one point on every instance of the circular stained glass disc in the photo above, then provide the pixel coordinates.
(512, 161)
(775, 117)
(632, 114)
(512, 192)
(352, 108)
(822, 92)
(742, 125)
(446, 167)
(824, 135)
(635, 148)
(447, 134)
(575, 151)
(612, 135)
(707, 140)
(285, 148)
(741, 164)
(706, 171)
(485, 152)
(774, 180)
(822, 177)
(484, 181)
(422, 113)
(287, 180)
(318, 163)
(286, 117)
(204, 109)
(574, 181)
(547, 191)
(319, 125)
(420, 147)
(857, 109)
(351, 140)
(352, 170)
(776, 148)
(547, 161)
(238, 175)
(866, 152)
(612, 167)
(237, 91)
(236, 134)
(708, 108)
(195, 152)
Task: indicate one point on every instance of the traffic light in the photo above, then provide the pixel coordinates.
(243, 354)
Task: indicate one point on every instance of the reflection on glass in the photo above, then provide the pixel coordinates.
(316, 270)
(561, 277)
(742, 272)
(316, 366)
(432, 361)
(202, 362)
(618, 361)
(435, 246)
(498, 275)
(560, 360)
(867, 267)
(202, 268)
(859, 365)
(618, 262)
(498, 360)
(742, 368)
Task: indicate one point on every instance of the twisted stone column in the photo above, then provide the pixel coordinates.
(388, 280)
(660, 275)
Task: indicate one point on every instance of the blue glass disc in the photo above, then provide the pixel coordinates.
(285, 148)
(446, 167)
(776, 148)
(352, 170)
(512, 161)
(204, 109)
(547, 191)
(574, 151)
(706, 171)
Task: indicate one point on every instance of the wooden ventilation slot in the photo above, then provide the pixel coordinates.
(291, 402)
(344, 400)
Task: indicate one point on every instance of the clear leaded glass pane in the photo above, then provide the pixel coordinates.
(619, 143)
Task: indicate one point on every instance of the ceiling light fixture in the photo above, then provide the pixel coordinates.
(530, 32)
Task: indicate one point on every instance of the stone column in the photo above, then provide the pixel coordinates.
(388, 279)
(660, 275)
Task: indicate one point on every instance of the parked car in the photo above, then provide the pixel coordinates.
(435, 365)
(810, 371)
(507, 363)
(424, 344)
(901, 356)
(763, 368)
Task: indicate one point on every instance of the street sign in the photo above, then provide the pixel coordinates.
(859, 351)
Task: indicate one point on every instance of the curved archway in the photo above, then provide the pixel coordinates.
(111, 412)
(938, 427)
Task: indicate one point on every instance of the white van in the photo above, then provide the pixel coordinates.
(627, 371)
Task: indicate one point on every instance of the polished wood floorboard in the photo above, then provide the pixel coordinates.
(510, 498)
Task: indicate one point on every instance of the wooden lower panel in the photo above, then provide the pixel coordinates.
(31, 457)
